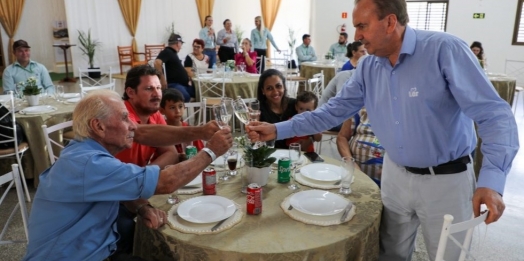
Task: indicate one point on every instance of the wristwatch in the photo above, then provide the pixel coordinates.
(210, 153)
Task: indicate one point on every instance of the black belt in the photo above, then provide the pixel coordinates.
(452, 167)
(209, 49)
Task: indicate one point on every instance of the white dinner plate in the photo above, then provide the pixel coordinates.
(71, 95)
(321, 172)
(195, 182)
(318, 202)
(285, 153)
(73, 100)
(38, 109)
(206, 209)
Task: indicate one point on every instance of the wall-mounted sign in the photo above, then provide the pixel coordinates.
(344, 15)
(479, 15)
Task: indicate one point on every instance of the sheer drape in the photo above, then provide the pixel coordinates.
(269, 15)
(131, 12)
(205, 8)
(10, 13)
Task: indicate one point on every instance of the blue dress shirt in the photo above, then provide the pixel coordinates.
(75, 207)
(258, 39)
(422, 109)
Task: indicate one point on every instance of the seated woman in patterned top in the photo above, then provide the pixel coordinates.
(196, 61)
(362, 145)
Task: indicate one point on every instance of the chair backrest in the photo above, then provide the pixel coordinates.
(276, 63)
(52, 137)
(85, 89)
(448, 229)
(259, 61)
(8, 132)
(195, 113)
(125, 54)
(515, 69)
(11, 178)
(316, 84)
(152, 50)
(212, 87)
(87, 80)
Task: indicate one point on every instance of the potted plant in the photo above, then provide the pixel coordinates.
(239, 33)
(88, 47)
(31, 91)
(258, 161)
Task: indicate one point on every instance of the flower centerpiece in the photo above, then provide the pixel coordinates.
(258, 161)
(30, 90)
(239, 33)
(329, 56)
(230, 64)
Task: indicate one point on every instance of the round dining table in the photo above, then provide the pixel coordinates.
(271, 235)
(308, 69)
(243, 85)
(36, 159)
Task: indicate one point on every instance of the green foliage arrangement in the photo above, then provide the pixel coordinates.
(88, 46)
(260, 156)
(30, 87)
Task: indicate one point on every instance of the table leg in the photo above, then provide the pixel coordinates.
(66, 79)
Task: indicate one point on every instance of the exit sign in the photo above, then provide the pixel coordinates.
(344, 15)
(479, 15)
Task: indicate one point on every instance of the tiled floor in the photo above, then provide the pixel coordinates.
(499, 241)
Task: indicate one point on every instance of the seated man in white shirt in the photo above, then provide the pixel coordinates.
(23, 68)
(305, 52)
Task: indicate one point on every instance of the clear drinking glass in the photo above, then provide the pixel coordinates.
(222, 114)
(59, 92)
(347, 168)
(241, 68)
(294, 156)
(270, 143)
(173, 197)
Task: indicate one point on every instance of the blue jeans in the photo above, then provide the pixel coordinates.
(187, 91)
(212, 54)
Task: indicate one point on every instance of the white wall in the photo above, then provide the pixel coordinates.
(325, 17)
(36, 27)
(495, 32)
(107, 24)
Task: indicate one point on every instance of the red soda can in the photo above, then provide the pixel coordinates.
(254, 199)
(209, 181)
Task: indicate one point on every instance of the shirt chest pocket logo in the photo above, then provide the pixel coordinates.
(413, 92)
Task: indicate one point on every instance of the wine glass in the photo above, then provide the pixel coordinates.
(347, 167)
(222, 114)
(173, 197)
(232, 159)
(241, 68)
(294, 156)
(241, 111)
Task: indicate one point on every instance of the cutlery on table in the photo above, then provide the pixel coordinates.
(215, 227)
(346, 211)
(290, 207)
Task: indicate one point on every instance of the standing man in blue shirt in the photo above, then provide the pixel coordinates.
(423, 91)
(23, 68)
(305, 52)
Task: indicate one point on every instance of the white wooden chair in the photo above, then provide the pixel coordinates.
(86, 80)
(50, 142)
(85, 89)
(316, 84)
(11, 178)
(259, 61)
(15, 151)
(448, 229)
(276, 63)
(215, 87)
(195, 113)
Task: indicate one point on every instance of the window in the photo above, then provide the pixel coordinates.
(428, 15)
(518, 33)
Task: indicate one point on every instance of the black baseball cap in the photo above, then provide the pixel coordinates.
(20, 43)
(174, 38)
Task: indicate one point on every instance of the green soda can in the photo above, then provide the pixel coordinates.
(284, 170)
(191, 151)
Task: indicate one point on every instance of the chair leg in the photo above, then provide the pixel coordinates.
(22, 175)
(516, 103)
